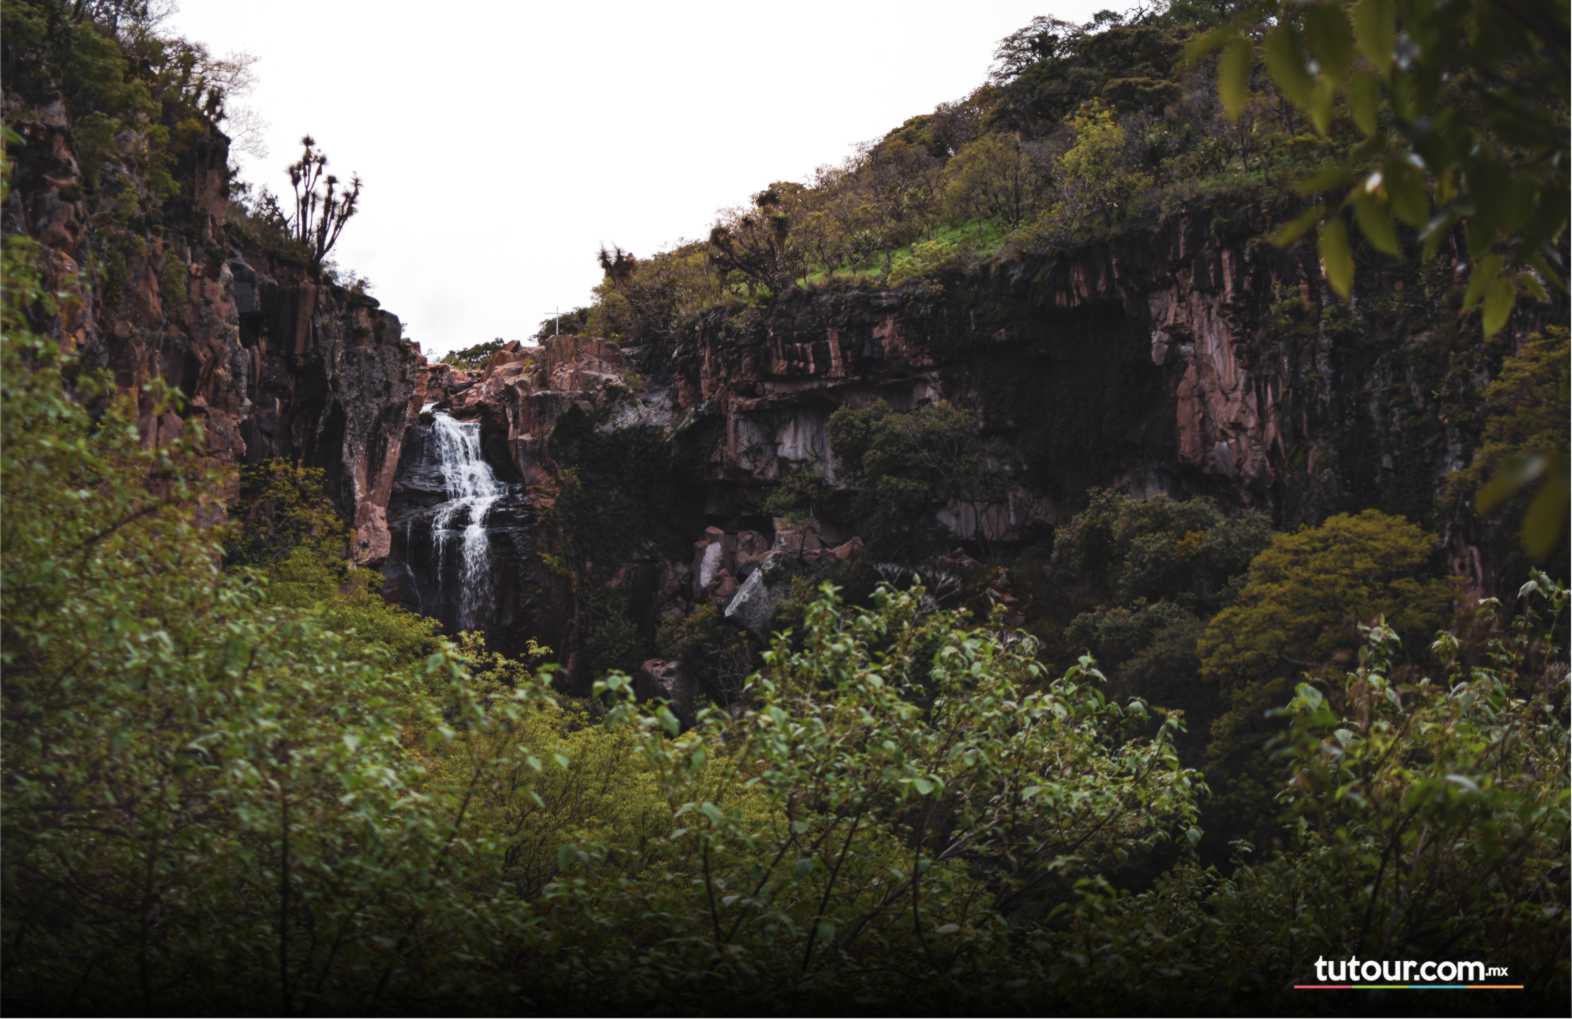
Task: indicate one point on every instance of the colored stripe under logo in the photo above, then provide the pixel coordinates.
(1408, 987)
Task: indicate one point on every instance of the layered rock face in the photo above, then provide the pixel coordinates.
(1188, 358)
(521, 392)
(270, 359)
(335, 385)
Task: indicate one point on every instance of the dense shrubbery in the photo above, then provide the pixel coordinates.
(474, 356)
(258, 787)
(1306, 593)
(246, 787)
(1121, 548)
(1428, 820)
(235, 779)
(1218, 617)
(1134, 583)
(209, 790)
(717, 656)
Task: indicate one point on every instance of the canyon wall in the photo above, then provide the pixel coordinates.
(1183, 356)
(1188, 358)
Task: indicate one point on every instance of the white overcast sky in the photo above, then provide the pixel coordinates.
(502, 143)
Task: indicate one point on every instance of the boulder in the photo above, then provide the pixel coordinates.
(754, 604)
(714, 557)
(724, 589)
(797, 538)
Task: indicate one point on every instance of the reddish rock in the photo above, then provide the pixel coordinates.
(673, 583)
(275, 362)
(846, 550)
(1130, 362)
(722, 590)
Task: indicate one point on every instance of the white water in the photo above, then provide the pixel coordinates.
(472, 488)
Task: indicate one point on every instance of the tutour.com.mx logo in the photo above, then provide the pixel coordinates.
(1356, 974)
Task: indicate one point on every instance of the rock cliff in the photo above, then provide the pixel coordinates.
(1189, 358)
(1182, 357)
(270, 358)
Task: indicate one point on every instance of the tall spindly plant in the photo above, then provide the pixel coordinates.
(322, 207)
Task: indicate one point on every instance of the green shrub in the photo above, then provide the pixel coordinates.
(797, 495)
(874, 757)
(202, 778)
(174, 286)
(1122, 548)
(1522, 456)
(473, 357)
(1431, 817)
(906, 467)
(613, 641)
(1148, 647)
(1307, 592)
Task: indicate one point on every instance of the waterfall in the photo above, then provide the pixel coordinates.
(471, 490)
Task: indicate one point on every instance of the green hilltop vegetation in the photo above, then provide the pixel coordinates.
(236, 780)
(1082, 132)
(1079, 132)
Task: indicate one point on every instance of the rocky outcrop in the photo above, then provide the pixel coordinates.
(335, 385)
(522, 391)
(766, 576)
(269, 358)
(1225, 425)
(1190, 357)
(658, 679)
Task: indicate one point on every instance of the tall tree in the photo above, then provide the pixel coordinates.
(754, 243)
(994, 177)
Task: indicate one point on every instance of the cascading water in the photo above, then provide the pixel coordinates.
(472, 488)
